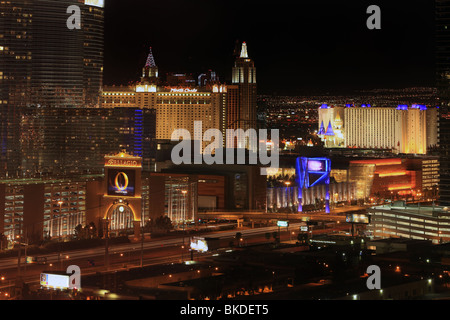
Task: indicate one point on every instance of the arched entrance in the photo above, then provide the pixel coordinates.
(120, 218)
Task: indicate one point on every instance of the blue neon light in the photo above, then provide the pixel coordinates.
(138, 130)
(303, 170)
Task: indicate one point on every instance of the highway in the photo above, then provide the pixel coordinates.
(8, 263)
(127, 256)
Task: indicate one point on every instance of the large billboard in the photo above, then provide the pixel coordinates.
(121, 182)
(357, 218)
(199, 244)
(57, 281)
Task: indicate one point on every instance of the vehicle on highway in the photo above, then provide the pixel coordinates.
(37, 260)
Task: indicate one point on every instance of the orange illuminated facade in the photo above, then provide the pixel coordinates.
(122, 195)
(380, 162)
(386, 178)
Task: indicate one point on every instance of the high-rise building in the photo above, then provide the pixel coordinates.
(44, 63)
(150, 70)
(242, 109)
(177, 106)
(442, 36)
(93, 48)
(79, 142)
(409, 130)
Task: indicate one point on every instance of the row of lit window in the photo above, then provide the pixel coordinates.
(117, 94)
(185, 94)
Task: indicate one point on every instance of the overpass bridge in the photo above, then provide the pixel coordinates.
(253, 217)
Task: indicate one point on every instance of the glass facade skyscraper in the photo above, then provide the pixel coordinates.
(442, 35)
(45, 64)
(75, 140)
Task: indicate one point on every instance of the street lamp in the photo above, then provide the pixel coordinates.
(287, 183)
(60, 216)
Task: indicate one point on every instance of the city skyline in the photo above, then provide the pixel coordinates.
(316, 47)
(206, 150)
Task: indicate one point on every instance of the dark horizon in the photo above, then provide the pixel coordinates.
(314, 47)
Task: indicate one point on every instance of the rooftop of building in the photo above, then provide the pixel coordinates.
(412, 208)
(400, 241)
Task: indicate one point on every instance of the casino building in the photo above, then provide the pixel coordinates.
(117, 201)
(404, 129)
(177, 106)
(124, 198)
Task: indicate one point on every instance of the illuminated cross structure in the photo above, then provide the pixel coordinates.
(311, 172)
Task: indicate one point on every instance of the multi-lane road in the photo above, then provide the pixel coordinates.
(125, 256)
(8, 263)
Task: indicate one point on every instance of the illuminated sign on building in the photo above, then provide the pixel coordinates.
(183, 90)
(311, 172)
(315, 165)
(122, 163)
(95, 3)
(121, 182)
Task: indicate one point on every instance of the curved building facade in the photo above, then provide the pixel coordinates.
(43, 63)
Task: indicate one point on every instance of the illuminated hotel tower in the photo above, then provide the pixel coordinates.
(241, 109)
(409, 130)
(150, 70)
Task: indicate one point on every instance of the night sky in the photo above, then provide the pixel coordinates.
(299, 47)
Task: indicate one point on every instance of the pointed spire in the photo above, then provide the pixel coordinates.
(244, 53)
(329, 130)
(322, 129)
(150, 60)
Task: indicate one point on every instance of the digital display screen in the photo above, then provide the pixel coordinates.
(357, 218)
(316, 165)
(121, 182)
(199, 244)
(54, 280)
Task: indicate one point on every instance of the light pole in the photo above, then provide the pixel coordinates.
(184, 192)
(288, 183)
(107, 244)
(142, 246)
(60, 215)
